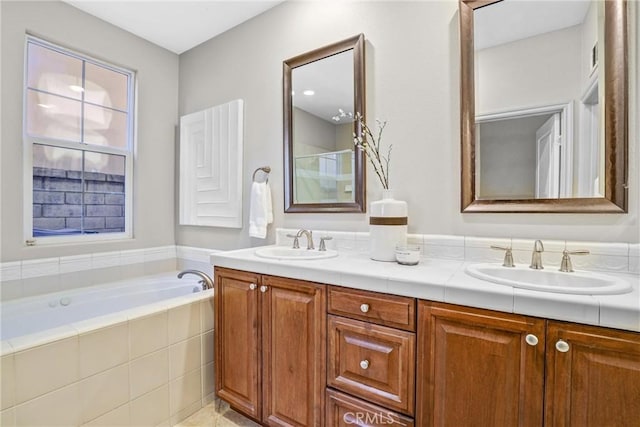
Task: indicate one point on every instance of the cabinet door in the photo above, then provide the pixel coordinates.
(237, 351)
(294, 352)
(593, 376)
(476, 368)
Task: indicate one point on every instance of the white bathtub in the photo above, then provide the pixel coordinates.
(138, 343)
(30, 315)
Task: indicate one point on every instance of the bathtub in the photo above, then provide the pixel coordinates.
(107, 354)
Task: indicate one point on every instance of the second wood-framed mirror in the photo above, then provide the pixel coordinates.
(322, 91)
(544, 106)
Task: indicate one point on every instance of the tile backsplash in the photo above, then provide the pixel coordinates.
(613, 257)
(38, 276)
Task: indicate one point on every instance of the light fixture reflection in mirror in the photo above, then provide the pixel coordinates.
(323, 91)
(543, 106)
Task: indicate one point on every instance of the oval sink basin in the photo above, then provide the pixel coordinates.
(279, 252)
(578, 282)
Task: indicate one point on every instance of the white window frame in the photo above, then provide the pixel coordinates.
(29, 141)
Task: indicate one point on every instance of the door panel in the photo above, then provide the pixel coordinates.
(476, 369)
(596, 382)
(237, 352)
(294, 355)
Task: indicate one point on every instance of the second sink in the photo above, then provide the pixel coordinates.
(579, 282)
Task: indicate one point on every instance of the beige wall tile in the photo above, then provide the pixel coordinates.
(184, 356)
(152, 408)
(206, 311)
(184, 322)
(208, 379)
(207, 347)
(10, 289)
(148, 334)
(132, 270)
(7, 378)
(149, 372)
(104, 392)
(8, 418)
(185, 391)
(104, 349)
(46, 368)
(58, 408)
(160, 266)
(119, 417)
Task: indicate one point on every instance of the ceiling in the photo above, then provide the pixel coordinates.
(512, 20)
(175, 25)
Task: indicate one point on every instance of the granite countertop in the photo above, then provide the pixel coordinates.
(446, 281)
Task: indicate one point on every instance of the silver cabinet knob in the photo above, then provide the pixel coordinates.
(531, 339)
(253, 286)
(562, 346)
(364, 308)
(364, 364)
(263, 289)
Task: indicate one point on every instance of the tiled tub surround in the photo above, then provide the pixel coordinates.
(27, 278)
(145, 366)
(444, 280)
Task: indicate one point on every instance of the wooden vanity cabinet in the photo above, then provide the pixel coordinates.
(270, 350)
(477, 367)
(593, 376)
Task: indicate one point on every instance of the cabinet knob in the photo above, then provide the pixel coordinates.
(263, 289)
(253, 286)
(562, 346)
(531, 339)
(364, 308)
(364, 364)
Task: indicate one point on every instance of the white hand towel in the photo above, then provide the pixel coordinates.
(260, 210)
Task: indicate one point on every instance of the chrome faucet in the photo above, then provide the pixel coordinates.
(206, 282)
(536, 256)
(309, 235)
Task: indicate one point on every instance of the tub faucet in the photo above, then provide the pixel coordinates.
(536, 256)
(309, 235)
(206, 282)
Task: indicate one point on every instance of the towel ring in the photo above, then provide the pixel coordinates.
(265, 169)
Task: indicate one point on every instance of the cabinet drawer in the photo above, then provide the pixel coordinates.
(373, 362)
(344, 411)
(388, 310)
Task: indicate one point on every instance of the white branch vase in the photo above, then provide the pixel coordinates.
(387, 227)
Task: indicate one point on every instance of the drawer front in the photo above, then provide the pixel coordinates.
(344, 411)
(387, 310)
(373, 362)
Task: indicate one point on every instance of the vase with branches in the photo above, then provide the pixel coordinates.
(371, 145)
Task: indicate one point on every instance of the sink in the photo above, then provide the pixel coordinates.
(578, 282)
(283, 253)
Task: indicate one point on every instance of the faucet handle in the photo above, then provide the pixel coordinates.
(566, 266)
(296, 243)
(508, 255)
(323, 247)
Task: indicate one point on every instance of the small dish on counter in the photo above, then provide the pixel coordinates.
(408, 254)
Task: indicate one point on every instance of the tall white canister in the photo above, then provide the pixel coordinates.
(387, 227)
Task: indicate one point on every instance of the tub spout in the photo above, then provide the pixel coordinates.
(206, 282)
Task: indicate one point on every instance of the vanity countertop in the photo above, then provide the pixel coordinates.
(446, 281)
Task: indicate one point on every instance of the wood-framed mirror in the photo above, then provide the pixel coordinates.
(322, 91)
(524, 152)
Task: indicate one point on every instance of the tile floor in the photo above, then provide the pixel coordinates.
(217, 414)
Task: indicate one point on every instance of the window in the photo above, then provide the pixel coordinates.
(78, 125)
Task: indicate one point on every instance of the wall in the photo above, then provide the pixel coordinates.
(413, 71)
(157, 97)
